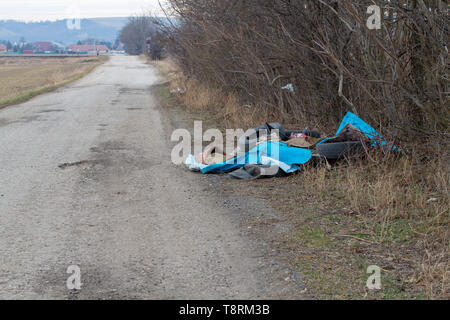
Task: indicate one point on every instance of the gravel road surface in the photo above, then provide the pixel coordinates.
(86, 179)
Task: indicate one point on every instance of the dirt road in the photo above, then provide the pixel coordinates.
(86, 179)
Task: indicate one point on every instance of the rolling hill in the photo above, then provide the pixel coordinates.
(99, 28)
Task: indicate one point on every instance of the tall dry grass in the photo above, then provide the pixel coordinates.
(230, 111)
(398, 201)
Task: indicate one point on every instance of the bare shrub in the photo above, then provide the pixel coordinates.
(395, 78)
(140, 37)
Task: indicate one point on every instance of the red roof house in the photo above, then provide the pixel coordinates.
(43, 46)
(3, 48)
(89, 48)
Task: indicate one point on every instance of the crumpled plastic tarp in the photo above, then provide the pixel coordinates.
(268, 169)
(357, 122)
(287, 159)
(353, 119)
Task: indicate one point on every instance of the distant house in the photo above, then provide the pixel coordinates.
(43, 46)
(28, 51)
(90, 48)
(3, 48)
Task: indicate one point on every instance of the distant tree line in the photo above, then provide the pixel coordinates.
(8, 44)
(141, 36)
(17, 46)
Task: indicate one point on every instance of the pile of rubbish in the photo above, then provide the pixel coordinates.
(272, 151)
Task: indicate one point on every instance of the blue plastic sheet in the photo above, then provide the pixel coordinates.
(290, 156)
(354, 120)
(357, 122)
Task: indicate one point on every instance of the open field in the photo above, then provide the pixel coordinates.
(25, 77)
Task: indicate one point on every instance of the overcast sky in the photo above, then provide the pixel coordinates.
(37, 10)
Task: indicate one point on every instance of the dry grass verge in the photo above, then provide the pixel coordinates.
(224, 107)
(398, 211)
(386, 210)
(27, 77)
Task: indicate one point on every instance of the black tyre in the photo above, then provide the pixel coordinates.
(339, 150)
